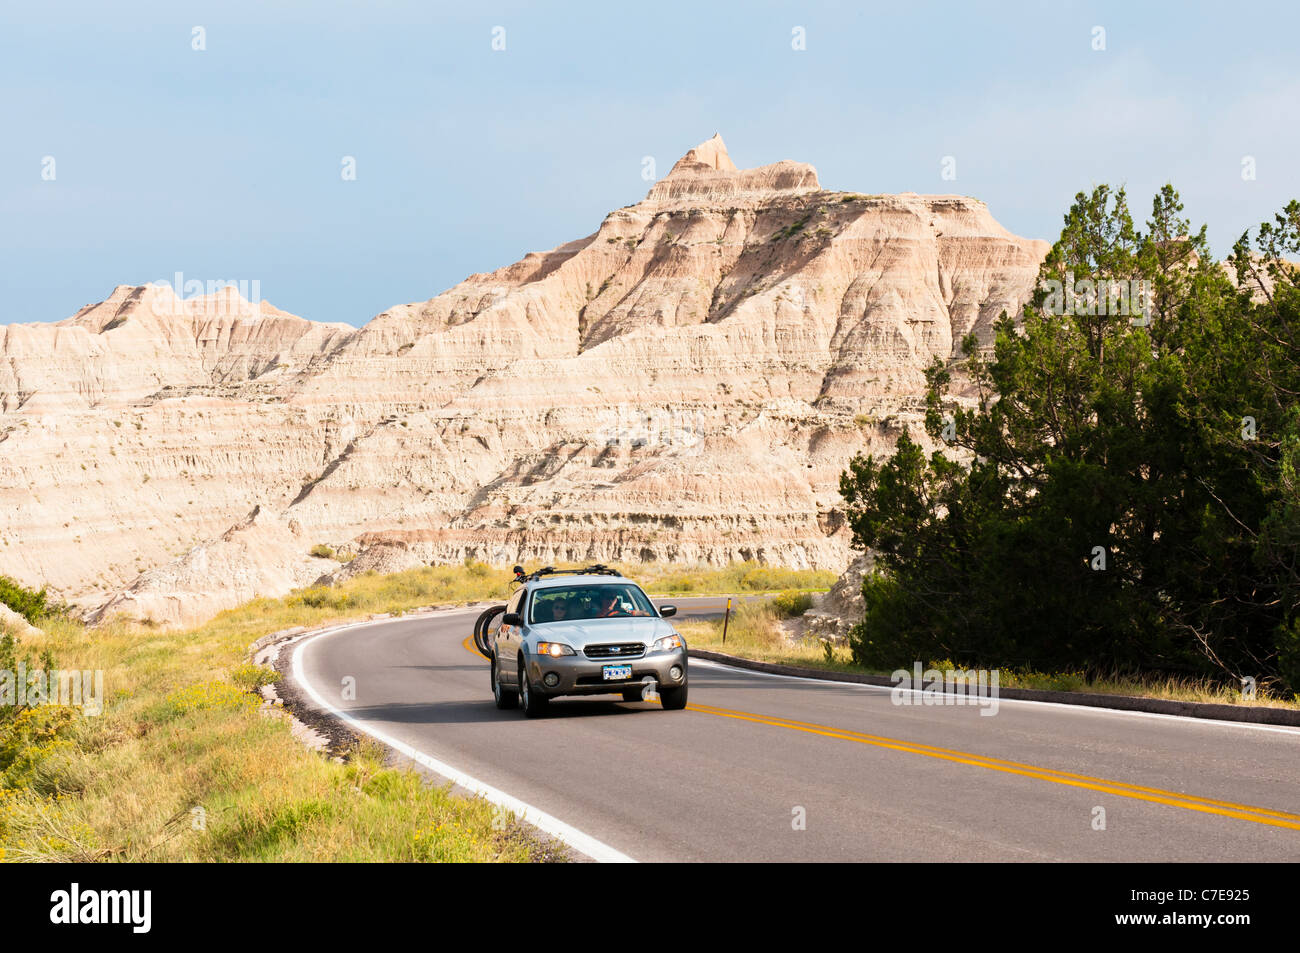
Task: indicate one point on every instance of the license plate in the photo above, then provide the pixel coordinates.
(614, 673)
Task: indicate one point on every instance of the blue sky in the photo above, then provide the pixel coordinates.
(225, 163)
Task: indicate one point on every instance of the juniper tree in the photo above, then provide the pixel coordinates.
(1099, 506)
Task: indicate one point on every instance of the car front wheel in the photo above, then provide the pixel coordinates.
(533, 703)
(673, 699)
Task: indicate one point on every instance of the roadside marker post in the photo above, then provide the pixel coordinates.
(725, 620)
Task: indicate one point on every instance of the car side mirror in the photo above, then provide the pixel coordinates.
(512, 618)
(666, 611)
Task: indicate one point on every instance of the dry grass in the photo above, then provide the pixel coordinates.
(1173, 688)
(755, 633)
(747, 577)
(185, 765)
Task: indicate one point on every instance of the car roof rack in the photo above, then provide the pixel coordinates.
(599, 569)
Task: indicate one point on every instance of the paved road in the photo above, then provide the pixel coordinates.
(703, 607)
(730, 777)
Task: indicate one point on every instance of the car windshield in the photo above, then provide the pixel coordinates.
(601, 601)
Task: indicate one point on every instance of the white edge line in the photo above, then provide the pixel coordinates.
(549, 824)
(1092, 709)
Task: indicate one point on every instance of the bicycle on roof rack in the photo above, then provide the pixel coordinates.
(598, 569)
(489, 621)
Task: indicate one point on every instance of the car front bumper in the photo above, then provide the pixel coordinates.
(579, 675)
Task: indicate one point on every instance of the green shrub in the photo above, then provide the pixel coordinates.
(320, 597)
(791, 603)
(28, 603)
(28, 734)
(791, 230)
(251, 677)
(31, 737)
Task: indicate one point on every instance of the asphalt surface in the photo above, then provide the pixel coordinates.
(762, 768)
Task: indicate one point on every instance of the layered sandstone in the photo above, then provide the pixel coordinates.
(687, 383)
(261, 555)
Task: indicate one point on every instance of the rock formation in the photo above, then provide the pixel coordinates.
(687, 383)
(15, 623)
(841, 607)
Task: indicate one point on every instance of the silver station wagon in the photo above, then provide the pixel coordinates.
(583, 632)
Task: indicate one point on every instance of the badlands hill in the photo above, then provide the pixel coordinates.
(687, 383)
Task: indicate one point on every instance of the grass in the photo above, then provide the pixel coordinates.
(475, 581)
(1171, 687)
(186, 764)
(754, 632)
(746, 577)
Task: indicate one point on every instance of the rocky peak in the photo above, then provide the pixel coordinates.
(711, 153)
(707, 175)
(144, 338)
(159, 302)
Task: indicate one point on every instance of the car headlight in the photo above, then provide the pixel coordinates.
(554, 649)
(668, 643)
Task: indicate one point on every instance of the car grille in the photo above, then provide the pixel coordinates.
(620, 650)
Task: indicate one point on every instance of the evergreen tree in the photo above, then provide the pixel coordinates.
(1123, 492)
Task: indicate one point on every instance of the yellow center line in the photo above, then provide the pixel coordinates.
(1189, 802)
(1119, 788)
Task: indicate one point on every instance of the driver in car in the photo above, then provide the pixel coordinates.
(560, 610)
(612, 605)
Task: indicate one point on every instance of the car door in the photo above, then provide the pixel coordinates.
(508, 639)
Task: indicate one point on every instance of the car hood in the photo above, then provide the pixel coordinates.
(586, 632)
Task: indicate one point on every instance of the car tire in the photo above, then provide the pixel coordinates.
(533, 703)
(673, 699)
(504, 697)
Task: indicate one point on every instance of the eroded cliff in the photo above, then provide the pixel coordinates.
(687, 383)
